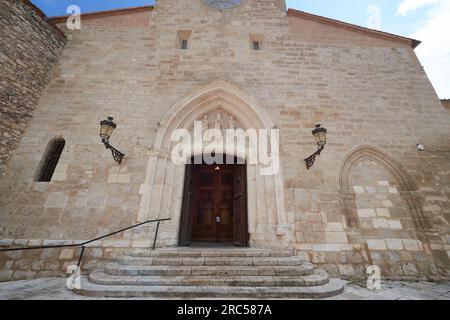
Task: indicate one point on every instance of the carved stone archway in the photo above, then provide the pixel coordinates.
(407, 186)
(162, 189)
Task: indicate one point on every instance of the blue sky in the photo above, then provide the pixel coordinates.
(426, 20)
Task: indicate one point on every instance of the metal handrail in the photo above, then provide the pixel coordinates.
(83, 244)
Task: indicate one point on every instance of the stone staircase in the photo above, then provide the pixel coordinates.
(219, 273)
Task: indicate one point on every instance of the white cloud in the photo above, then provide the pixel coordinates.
(434, 52)
(410, 5)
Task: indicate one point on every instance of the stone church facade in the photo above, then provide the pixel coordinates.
(371, 197)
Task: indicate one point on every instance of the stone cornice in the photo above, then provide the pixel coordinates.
(354, 28)
(291, 12)
(62, 19)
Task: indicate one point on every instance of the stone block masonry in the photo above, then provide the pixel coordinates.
(29, 49)
(29, 264)
(365, 200)
(446, 104)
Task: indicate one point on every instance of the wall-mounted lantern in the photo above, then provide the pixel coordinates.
(320, 134)
(106, 129)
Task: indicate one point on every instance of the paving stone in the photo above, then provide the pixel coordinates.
(359, 290)
(55, 288)
(375, 297)
(419, 285)
(390, 295)
(349, 296)
(441, 288)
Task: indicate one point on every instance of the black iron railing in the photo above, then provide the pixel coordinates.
(84, 244)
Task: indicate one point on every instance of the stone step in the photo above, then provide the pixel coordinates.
(196, 253)
(189, 273)
(139, 270)
(210, 261)
(332, 288)
(317, 279)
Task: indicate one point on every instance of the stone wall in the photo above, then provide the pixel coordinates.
(40, 263)
(54, 262)
(386, 236)
(367, 91)
(30, 47)
(446, 104)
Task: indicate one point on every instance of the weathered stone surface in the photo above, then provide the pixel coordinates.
(56, 200)
(66, 254)
(374, 244)
(412, 245)
(128, 65)
(30, 48)
(394, 244)
(263, 279)
(446, 103)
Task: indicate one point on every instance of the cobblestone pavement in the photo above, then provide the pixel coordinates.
(398, 290)
(55, 289)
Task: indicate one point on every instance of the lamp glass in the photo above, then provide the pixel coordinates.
(320, 134)
(106, 128)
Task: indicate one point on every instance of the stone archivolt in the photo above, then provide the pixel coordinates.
(221, 105)
(408, 188)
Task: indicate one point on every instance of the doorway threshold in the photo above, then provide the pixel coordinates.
(206, 244)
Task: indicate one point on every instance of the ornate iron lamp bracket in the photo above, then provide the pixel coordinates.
(117, 155)
(311, 159)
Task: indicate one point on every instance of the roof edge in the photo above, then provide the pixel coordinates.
(62, 19)
(380, 34)
(353, 27)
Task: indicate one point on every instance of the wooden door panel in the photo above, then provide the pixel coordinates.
(240, 228)
(188, 202)
(206, 179)
(224, 229)
(215, 204)
(203, 228)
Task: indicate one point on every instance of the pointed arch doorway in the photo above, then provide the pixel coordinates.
(214, 207)
(162, 190)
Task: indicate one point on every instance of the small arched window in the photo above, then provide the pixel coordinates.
(50, 160)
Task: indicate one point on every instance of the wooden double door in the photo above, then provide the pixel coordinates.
(214, 205)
